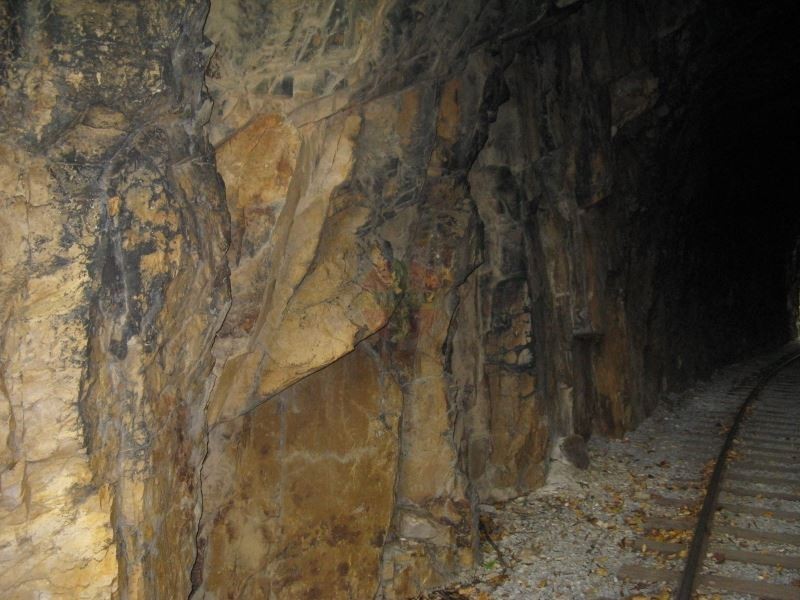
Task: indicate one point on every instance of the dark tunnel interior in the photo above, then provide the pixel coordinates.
(729, 185)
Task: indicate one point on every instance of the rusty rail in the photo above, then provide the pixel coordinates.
(694, 558)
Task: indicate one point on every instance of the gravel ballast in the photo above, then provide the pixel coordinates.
(569, 538)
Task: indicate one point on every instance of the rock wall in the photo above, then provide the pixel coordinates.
(498, 164)
(508, 164)
(114, 282)
(289, 288)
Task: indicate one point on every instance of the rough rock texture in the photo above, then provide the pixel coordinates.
(469, 181)
(113, 284)
(450, 235)
(299, 492)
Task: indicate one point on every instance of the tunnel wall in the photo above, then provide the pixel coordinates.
(113, 279)
(539, 191)
(280, 312)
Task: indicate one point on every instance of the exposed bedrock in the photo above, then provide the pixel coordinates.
(114, 282)
(288, 289)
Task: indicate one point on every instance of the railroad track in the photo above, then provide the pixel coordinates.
(737, 532)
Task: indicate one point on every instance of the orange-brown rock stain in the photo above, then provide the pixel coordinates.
(326, 451)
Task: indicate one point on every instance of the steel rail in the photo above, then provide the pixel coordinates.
(694, 558)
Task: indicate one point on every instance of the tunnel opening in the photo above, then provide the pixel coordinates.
(725, 221)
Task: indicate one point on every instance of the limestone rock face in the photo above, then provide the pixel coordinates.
(288, 289)
(113, 285)
(438, 176)
(299, 492)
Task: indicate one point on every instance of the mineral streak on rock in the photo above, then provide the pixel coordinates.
(114, 282)
(288, 289)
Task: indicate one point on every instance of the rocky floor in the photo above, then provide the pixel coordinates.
(569, 539)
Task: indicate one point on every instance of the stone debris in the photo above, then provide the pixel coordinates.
(569, 538)
(573, 449)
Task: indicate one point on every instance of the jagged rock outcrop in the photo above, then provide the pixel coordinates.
(113, 286)
(497, 161)
(466, 184)
(288, 289)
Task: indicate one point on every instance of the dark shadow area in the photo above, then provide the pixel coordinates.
(731, 180)
(745, 221)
